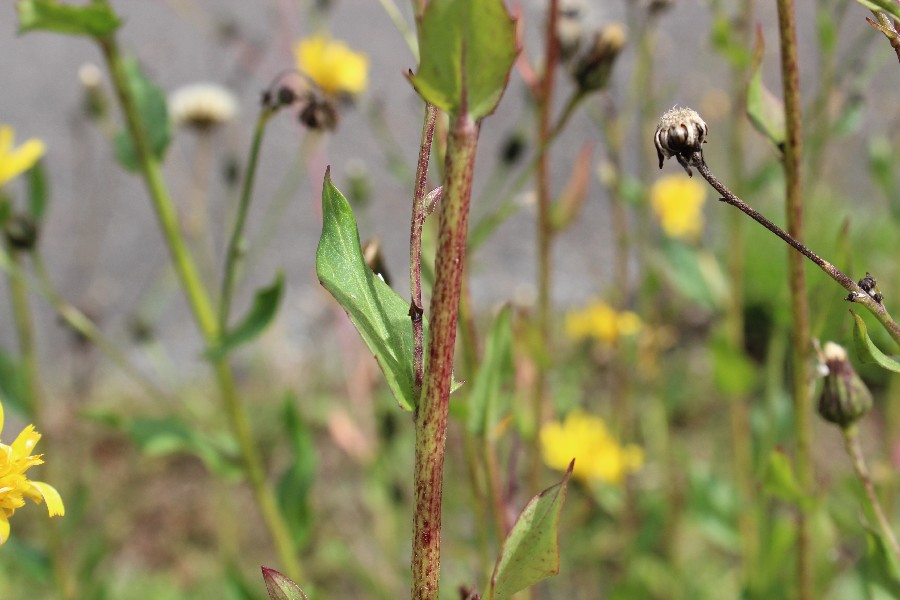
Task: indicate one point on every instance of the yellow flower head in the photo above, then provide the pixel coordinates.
(678, 204)
(15, 161)
(602, 322)
(332, 65)
(598, 455)
(15, 485)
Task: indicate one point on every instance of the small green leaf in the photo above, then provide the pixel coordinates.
(694, 273)
(780, 481)
(161, 437)
(886, 6)
(467, 49)
(380, 315)
(880, 567)
(486, 399)
(531, 550)
(261, 313)
(280, 587)
(296, 483)
(765, 110)
(37, 191)
(95, 19)
(867, 351)
(154, 117)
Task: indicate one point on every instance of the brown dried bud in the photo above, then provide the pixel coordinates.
(593, 69)
(21, 232)
(681, 133)
(845, 398)
(319, 113)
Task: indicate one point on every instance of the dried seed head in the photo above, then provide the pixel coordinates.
(681, 133)
(845, 398)
(319, 113)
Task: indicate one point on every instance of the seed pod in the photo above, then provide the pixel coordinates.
(681, 133)
(845, 398)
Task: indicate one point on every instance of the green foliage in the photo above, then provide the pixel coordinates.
(695, 274)
(886, 6)
(467, 49)
(880, 567)
(296, 482)
(867, 351)
(38, 191)
(380, 315)
(781, 482)
(766, 111)
(531, 550)
(487, 400)
(154, 118)
(12, 384)
(95, 19)
(258, 318)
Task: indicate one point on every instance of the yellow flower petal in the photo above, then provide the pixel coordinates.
(677, 202)
(4, 528)
(54, 501)
(25, 442)
(332, 65)
(14, 161)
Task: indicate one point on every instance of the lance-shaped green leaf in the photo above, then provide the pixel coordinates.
(380, 315)
(766, 111)
(261, 314)
(867, 351)
(38, 191)
(153, 113)
(467, 49)
(779, 481)
(296, 482)
(485, 402)
(886, 6)
(280, 587)
(95, 19)
(531, 550)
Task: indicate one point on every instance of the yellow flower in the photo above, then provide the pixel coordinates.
(15, 486)
(15, 161)
(332, 65)
(678, 204)
(598, 455)
(602, 322)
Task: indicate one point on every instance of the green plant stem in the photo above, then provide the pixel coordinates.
(854, 450)
(857, 295)
(793, 155)
(24, 324)
(235, 251)
(431, 414)
(204, 314)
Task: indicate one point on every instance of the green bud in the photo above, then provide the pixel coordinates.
(845, 398)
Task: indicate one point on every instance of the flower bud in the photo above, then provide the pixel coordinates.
(681, 133)
(593, 69)
(845, 398)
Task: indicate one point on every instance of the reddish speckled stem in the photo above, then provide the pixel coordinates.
(431, 416)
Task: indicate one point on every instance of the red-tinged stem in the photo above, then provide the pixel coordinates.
(419, 214)
(431, 414)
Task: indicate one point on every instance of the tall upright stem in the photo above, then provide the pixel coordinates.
(793, 152)
(203, 311)
(544, 228)
(431, 414)
(419, 214)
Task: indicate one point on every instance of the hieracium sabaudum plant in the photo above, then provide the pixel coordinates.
(591, 370)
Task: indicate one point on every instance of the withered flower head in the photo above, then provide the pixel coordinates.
(593, 69)
(681, 133)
